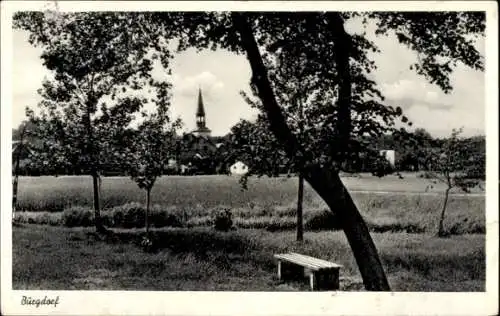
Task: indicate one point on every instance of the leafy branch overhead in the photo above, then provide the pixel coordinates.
(441, 40)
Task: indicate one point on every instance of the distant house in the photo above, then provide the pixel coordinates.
(390, 155)
(238, 168)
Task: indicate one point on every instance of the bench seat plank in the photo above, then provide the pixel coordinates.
(307, 261)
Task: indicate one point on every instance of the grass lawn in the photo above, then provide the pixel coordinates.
(57, 258)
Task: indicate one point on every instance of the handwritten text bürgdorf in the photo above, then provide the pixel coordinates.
(37, 302)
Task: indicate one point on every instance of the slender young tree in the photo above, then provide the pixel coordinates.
(150, 147)
(450, 164)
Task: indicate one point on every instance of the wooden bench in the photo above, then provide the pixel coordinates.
(323, 275)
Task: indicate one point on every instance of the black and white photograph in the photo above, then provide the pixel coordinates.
(180, 158)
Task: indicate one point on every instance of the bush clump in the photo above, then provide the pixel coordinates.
(77, 216)
(129, 215)
(281, 224)
(223, 220)
(393, 225)
(325, 219)
(161, 218)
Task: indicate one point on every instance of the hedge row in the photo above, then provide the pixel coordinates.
(132, 215)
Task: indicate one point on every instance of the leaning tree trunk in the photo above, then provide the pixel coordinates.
(326, 182)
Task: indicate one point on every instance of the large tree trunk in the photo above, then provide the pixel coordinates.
(300, 202)
(325, 181)
(342, 48)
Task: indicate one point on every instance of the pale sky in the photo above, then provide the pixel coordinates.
(222, 74)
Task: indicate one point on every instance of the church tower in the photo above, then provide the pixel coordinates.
(201, 128)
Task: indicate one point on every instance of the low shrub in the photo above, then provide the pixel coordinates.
(77, 216)
(223, 220)
(323, 220)
(282, 223)
(465, 227)
(160, 218)
(148, 244)
(259, 222)
(40, 218)
(134, 215)
(200, 221)
(284, 211)
(382, 224)
(382, 167)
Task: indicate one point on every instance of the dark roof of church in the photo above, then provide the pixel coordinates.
(202, 129)
(201, 109)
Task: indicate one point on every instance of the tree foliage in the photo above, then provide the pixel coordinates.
(149, 148)
(89, 102)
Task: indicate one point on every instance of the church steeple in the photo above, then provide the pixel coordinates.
(200, 113)
(201, 109)
(200, 117)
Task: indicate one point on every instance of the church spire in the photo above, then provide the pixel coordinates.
(201, 109)
(200, 117)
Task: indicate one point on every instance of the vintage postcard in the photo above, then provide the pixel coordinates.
(249, 158)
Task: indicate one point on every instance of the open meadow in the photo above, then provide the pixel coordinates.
(55, 213)
(53, 194)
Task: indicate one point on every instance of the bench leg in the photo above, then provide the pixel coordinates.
(325, 280)
(313, 282)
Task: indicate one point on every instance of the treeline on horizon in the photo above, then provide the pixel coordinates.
(216, 154)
